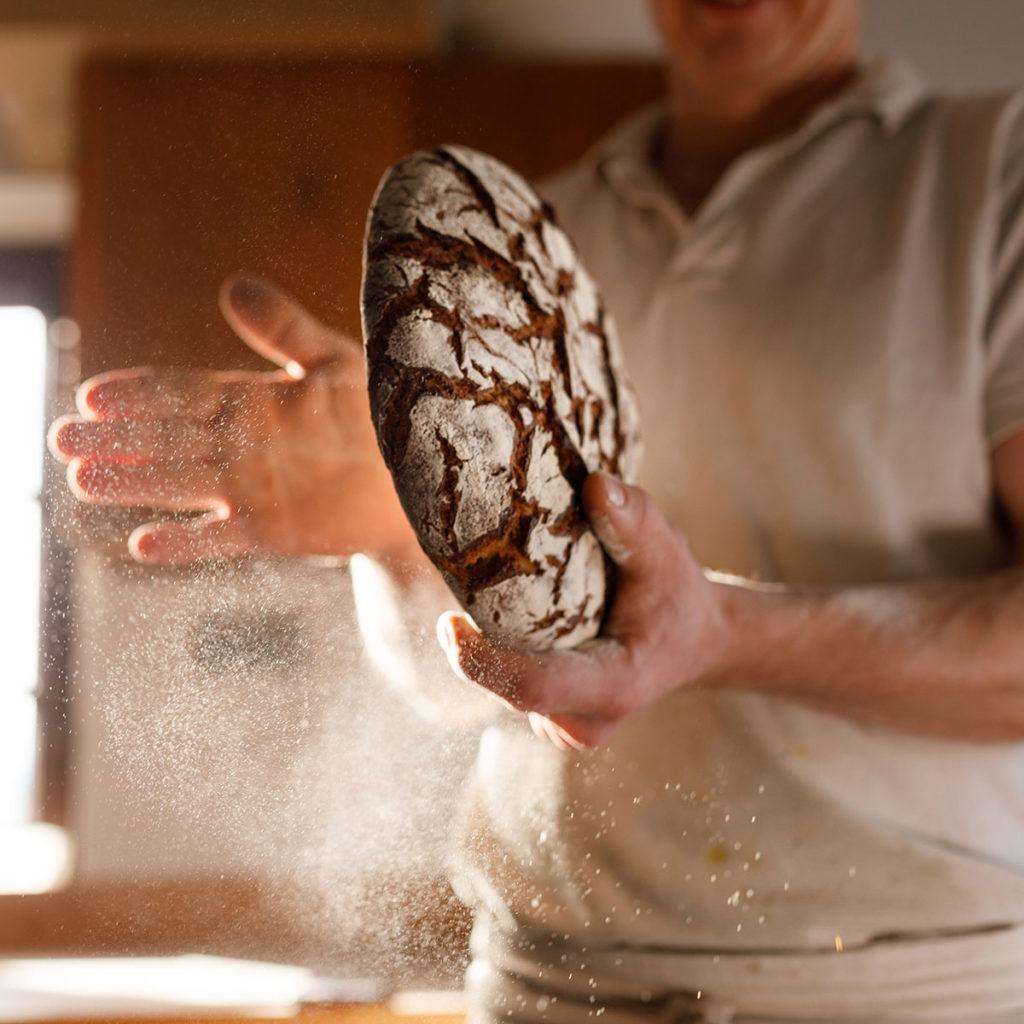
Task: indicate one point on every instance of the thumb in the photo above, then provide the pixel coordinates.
(627, 522)
(281, 330)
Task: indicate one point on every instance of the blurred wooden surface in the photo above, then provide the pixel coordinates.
(342, 1014)
(421, 944)
(306, 1015)
(317, 1015)
(162, 990)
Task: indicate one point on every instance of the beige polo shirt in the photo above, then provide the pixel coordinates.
(824, 356)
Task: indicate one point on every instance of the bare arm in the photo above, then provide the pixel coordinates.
(944, 657)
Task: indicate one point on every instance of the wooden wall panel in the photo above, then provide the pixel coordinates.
(192, 171)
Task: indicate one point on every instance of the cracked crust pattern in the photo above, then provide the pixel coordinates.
(496, 386)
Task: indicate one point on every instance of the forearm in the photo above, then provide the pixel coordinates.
(944, 657)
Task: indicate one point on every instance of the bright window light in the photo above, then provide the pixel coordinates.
(22, 427)
(34, 858)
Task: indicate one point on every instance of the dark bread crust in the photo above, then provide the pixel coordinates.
(495, 388)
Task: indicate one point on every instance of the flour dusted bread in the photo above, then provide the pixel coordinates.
(496, 386)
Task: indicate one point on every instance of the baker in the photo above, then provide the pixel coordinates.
(784, 784)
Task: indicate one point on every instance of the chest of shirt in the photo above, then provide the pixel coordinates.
(808, 344)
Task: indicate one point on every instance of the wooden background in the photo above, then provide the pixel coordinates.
(193, 171)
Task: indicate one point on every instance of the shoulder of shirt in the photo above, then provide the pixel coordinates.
(1003, 105)
(983, 126)
(890, 91)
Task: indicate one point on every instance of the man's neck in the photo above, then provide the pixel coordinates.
(705, 137)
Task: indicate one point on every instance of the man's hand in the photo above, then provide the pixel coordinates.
(937, 657)
(282, 462)
(665, 628)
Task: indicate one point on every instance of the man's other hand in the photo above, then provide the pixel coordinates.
(281, 462)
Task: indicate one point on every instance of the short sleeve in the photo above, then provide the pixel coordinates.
(1005, 322)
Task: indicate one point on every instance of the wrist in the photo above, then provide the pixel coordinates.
(753, 620)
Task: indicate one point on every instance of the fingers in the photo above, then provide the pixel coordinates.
(586, 681)
(279, 329)
(175, 487)
(72, 437)
(205, 538)
(626, 521)
(569, 732)
(657, 583)
(144, 394)
(270, 322)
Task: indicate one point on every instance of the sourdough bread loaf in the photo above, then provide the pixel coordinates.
(496, 386)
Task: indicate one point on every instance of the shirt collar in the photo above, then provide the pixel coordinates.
(888, 89)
